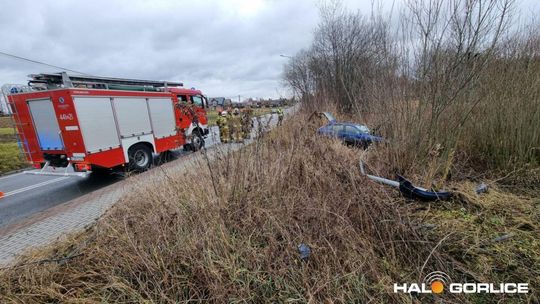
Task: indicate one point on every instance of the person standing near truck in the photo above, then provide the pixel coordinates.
(223, 127)
(230, 126)
(237, 126)
(247, 122)
(280, 116)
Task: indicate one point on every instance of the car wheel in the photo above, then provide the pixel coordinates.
(365, 144)
(140, 158)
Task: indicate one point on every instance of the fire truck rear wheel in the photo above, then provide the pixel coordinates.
(140, 157)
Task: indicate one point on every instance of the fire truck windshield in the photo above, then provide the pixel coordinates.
(197, 100)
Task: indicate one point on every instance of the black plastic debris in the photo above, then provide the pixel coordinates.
(410, 191)
(305, 251)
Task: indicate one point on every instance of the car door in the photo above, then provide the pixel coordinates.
(352, 135)
(338, 131)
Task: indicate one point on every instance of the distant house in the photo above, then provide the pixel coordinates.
(239, 105)
(272, 103)
(219, 102)
(215, 102)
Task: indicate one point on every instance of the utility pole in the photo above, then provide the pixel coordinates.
(238, 98)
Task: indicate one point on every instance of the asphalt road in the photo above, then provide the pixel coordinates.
(28, 194)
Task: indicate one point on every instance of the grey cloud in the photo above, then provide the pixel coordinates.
(213, 45)
(222, 47)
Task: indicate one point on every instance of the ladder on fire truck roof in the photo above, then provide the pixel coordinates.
(63, 80)
(22, 143)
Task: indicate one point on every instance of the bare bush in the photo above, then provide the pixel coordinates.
(177, 241)
(432, 81)
(229, 230)
(346, 58)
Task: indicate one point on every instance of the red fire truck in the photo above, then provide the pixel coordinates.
(89, 123)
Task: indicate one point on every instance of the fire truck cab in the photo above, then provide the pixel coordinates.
(88, 122)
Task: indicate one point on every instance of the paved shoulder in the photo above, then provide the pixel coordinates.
(79, 213)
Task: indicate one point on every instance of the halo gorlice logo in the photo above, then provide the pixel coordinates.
(434, 282)
(437, 282)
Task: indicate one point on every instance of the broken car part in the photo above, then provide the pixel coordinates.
(408, 189)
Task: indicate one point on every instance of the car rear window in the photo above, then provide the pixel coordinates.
(351, 129)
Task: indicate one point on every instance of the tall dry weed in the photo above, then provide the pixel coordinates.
(181, 239)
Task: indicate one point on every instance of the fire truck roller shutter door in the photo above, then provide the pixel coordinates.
(46, 124)
(162, 115)
(133, 122)
(96, 120)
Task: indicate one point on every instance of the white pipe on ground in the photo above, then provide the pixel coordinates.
(377, 178)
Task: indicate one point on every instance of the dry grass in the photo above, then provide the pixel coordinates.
(237, 240)
(5, 122)
(491, 237)
(434, 83)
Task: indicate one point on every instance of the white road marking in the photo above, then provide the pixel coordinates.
(11, 175)
(35, 186)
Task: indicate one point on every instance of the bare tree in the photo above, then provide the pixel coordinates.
(424, 79)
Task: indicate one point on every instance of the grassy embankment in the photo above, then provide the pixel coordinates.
(236, 239)
(9, 151)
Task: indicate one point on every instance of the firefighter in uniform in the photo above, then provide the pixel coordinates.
(223, 127)
(237, 126)
(247, 122)
(230, 126)
(280, 116)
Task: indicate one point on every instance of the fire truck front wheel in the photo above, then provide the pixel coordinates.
(140, 157)
(197, 141)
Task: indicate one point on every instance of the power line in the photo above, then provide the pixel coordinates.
(42, 63)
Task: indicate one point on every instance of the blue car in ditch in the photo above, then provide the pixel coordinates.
(350, 133)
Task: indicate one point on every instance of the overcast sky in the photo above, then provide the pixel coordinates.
(225, 48)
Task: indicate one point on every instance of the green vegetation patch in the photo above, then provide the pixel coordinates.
(6, 131)
(10, 158)
(491, 237)
(7, 135)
